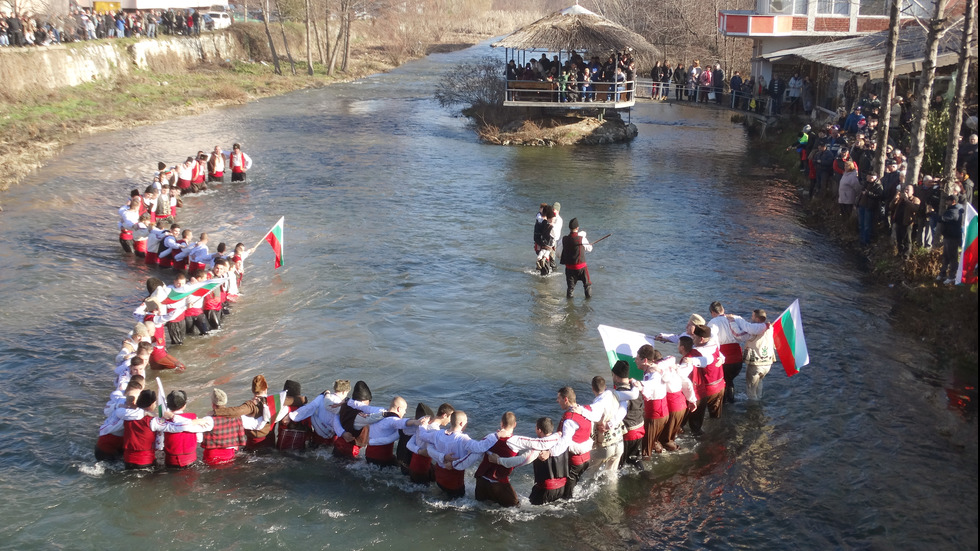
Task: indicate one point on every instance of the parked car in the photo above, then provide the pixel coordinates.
(219, 20)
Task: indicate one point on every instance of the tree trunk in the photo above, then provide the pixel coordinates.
(956, 108)
(326, 37)
(319, 44)
(285, 43)
(347, 23)
(936, 27)
(889, 91)
(309, 42)
(272, 46)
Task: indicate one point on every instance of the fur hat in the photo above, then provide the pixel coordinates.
(423, 410)
(176, 400)
(361, 392)
(259, 384)
(342, 385)
(696, 319)
(621, 369)
(218, 397)
(292, 388)
(573, 224)
(702, 331)
(146, 398)
(140, 331)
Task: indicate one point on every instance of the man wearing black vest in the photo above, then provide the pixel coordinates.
(549, 459)
(574, 246)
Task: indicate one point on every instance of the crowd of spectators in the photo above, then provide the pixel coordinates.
(839, 160)
(575, 77)
(86, 24)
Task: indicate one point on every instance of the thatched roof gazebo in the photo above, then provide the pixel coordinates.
(565, 33)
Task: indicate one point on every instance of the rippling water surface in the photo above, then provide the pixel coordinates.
(409, 266)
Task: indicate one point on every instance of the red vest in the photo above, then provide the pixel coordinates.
(492, 471)
(582, 435)
(138, 441)
(180, 448)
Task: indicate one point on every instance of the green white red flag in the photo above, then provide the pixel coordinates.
(967, 272)
(787, 332)
(621, 344)
(199, 289)
(274, 237)
(161, 399)
(277, 408)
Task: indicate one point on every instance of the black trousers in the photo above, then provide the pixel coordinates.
(631, 453)
(540, 496)
(214, 318)
(575, 473)
(177, 330)
(198, 321)
(574, 276)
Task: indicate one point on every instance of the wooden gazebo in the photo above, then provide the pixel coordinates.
(563, 33)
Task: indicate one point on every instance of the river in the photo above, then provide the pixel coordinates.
(409, 265)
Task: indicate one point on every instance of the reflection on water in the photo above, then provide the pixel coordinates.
(409, 266)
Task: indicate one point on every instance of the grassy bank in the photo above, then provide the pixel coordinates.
(945, 317)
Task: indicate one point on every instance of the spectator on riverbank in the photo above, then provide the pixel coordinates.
(777, 86)
(718, 82)
(795, 88)
(849, 189)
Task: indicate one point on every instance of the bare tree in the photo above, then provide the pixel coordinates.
(268, 33)
(889, 91)
(962, 76)
(309, 42)
(936, 27)
(285, 41)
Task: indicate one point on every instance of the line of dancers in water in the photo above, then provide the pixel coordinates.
(624, 422)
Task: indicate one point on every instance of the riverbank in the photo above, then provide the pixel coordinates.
(37, 122)
(944, 317)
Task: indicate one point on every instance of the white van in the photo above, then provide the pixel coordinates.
(220, 19)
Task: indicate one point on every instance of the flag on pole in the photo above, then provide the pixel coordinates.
(199, 289)
(621, 344)
(967, 272)
(274, 237)
(277, 409)
(161, 399)
(787, 332)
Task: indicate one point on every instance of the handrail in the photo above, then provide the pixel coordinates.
(543, 91)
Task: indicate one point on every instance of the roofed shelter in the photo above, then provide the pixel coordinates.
(864, 56)
(573, 29)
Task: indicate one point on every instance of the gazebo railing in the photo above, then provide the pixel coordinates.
(530, 93)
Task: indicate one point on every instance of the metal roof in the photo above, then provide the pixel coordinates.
(865, 55)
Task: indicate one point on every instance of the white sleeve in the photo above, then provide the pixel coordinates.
(594, 416)
(480, 446)
(518, 460)
(253, 423)
(307, 410)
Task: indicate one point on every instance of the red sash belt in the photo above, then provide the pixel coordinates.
(219, 456)
(580, 459)
(420, 464)
(732, 352)
(552, 484)
(142, 458)
(383, 453)
(450, 479)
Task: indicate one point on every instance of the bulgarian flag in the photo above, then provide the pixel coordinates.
(277, 409)
(787, 333)
(194, 290)
(621, 344)
(967, 272)
(274, 237)
(161, 399)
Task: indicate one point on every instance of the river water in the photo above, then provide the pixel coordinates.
(408, 265)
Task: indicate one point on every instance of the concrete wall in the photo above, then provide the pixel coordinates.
(60, 66)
